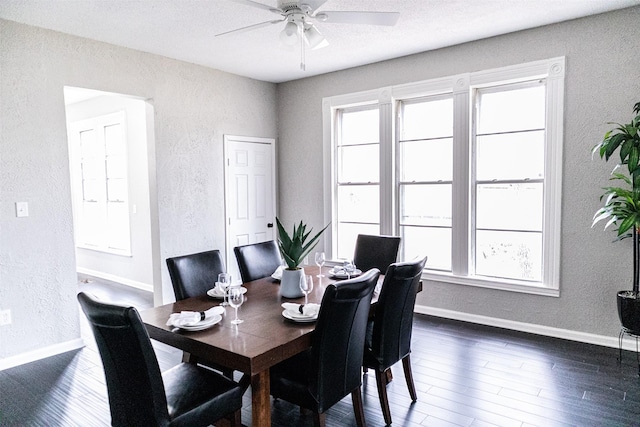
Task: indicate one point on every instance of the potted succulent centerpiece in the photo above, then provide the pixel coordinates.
(622, 206)
(294, 248)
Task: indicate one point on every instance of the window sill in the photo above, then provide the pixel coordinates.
(499, 284)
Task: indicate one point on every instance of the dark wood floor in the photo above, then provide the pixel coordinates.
(465, 374)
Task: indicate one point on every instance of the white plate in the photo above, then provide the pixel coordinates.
(203, 324)
(340, 274)
(297, 317)
(213, 293)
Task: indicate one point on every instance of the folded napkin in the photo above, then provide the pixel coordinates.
(278, 273)
(306, 310)
(188, 318)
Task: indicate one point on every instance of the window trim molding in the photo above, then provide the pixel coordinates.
(462, 85)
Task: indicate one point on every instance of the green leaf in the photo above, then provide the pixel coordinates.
(632, 162)
(626, 224)
(625, 149)
(295, 247)
(612, 144)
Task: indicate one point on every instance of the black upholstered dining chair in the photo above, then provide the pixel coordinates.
(389, 333)
(194, 274)
(375, 251)
(318, 378)
(257, 260)
(139, 395)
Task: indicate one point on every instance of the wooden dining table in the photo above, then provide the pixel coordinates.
(264, 339)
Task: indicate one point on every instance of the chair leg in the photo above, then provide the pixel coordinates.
(319, 420)
(381, 381)
(235, 419)
(406, 364)
(358, 407)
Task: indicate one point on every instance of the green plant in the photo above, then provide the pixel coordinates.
(295, 247)
(622, 204)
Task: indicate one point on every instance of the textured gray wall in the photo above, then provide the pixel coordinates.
(194, 106)
(602, 84)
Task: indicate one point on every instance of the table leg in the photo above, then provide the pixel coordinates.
(260, 400)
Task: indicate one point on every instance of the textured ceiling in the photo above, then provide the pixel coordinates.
(186, 29)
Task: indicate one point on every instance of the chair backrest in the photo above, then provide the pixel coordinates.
(393, 322)
(193, 275)
(338, 340)
(375, 252)
(134, 382)
(257, 260)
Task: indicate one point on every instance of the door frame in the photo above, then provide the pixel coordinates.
(228, 141)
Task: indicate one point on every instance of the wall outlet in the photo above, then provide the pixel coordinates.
(5, 317)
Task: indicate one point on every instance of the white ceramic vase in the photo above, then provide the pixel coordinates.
(290, 283)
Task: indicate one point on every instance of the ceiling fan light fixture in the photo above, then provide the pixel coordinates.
(314, 38)
(289, 35)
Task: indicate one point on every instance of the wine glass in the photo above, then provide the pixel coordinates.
(349, 268)
(224, 281)
(320, 262)
(236, 298)
(306, 286)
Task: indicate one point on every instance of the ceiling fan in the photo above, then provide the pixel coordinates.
(299, 17)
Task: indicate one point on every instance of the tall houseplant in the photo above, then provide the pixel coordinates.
(622, 205)
(294, 248)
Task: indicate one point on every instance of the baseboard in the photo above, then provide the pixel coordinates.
(41, 353)
(117, 279)
(606, 341)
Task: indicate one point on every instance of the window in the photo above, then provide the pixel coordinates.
(509, 181)
(425, 179)
(470, 165)
(99, 152)
(357, 177)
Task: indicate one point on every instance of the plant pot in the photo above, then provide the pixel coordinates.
(290, 283)
(629, 311)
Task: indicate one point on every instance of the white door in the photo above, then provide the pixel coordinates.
(249, 193)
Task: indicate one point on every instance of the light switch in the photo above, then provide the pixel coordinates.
(22, 209)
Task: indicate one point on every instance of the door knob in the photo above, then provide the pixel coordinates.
(269, 225)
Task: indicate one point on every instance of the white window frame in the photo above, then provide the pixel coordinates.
(462, 87)
(102, 244)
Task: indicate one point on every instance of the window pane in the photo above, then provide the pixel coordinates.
(432, 242)
(118, 225)
(92, 189)
(116, 167)
(92, 224)
(359, 203)
(117, 190)
(510, 156)
(360, 127)
(88, 144)
(510, 206)
(359, 163)
(430, 119)
(510, 255)
(347, 234)
(426, 160)
(92, 167)
(511, 109)
(425, 204)
(114, 145)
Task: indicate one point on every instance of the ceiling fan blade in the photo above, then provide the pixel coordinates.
(367, 18)
(258, 5)
(250, 27)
